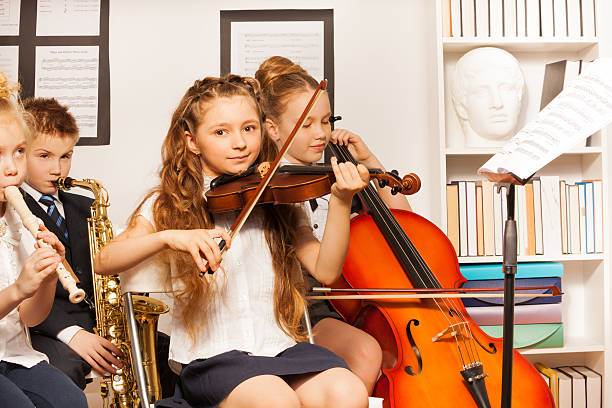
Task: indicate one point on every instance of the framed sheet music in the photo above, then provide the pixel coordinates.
(60, 49)
(306, 37)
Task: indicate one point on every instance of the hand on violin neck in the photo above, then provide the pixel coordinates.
(357, 147)
(350, 179)
(200, 244)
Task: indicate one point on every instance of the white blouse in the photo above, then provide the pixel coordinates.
(16, 244)
(242, 314)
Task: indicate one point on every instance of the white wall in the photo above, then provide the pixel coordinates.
(385, 85)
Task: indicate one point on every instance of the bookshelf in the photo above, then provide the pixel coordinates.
(586, 282)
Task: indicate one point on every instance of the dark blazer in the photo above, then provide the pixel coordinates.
(64, 313)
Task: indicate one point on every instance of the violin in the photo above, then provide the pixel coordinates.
(291, 184)
(434, 355)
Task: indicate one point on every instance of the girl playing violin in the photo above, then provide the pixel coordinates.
(286, 89)
(237, 337)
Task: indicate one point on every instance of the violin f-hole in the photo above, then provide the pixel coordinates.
(417, 353)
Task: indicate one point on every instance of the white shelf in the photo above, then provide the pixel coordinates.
(530, 44)
(533, 258)
(466, 151)
(572, 345)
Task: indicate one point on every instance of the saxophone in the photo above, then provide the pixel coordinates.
(120, 390)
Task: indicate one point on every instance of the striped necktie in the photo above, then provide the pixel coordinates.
(54, 213)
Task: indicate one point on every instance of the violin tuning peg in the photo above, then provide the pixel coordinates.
(395, 172)
(382, 183)
(395, 190)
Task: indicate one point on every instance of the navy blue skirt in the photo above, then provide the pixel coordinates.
(205, 383)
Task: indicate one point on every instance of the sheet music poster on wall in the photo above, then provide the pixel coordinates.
(59, 48)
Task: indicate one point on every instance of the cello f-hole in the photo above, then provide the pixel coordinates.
(417, 353)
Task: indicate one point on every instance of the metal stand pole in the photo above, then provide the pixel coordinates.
(510, 255)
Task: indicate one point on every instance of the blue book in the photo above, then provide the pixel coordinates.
(524, 270)
(519, 283)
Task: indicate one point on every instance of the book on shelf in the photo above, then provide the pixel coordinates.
(537, 211)
(496, 18)
(598, 218)
(552, 379)
(573, 18)
(479, 222)
(472, 234)
(481, 8)
(560, 18)
(587, 13)
(532, 16)
(564, 390)
(446, 18)
(523, 314)
(521, 19)
(573, 214)
(452, 215)
(564, 225)
(468, 19)
(578, 386)
(498, 221)
(540, 286)
(463, 228)
(547, 19)
(509, 18)
(492, 271)
(582, 215)
(540, 335)
(557, 75)
(455, 18)
(581, 109)
(488, 214)
(552, 216)
(593, 386)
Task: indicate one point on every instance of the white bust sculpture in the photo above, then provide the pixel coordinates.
(487, 94)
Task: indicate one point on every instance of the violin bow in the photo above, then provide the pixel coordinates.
(430, 293)
(248, 208)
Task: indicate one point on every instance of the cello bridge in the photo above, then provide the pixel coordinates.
(452, 330)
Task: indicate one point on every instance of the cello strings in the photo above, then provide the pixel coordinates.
(390, 222)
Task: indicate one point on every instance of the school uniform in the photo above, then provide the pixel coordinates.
(240, 338)
(26, 378)
(66, 318)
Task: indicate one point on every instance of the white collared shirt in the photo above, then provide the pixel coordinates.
(37, 194)
(64, 335)
(242, 314)
(16, 244)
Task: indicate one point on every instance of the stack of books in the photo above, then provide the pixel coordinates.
(511, 18)
(538, 320)
(573, 386)
(553, 217)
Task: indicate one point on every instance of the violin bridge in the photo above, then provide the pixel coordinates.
(452, 330)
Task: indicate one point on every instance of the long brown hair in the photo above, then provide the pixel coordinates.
(180, 204)
(280, 78)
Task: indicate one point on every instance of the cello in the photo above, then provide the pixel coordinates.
(434, 355)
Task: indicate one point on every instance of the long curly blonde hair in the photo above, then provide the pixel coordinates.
(180, 204)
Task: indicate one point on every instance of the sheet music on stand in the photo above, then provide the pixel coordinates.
(580, 110)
